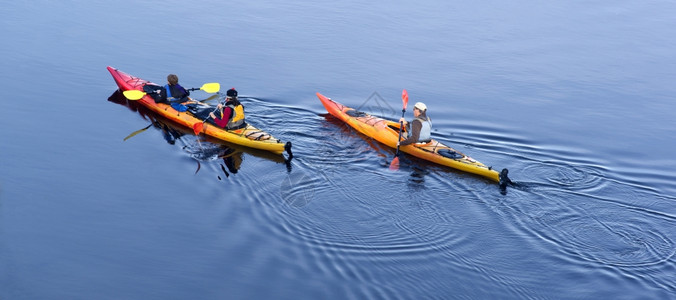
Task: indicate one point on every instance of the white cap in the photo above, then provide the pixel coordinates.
(421, 106)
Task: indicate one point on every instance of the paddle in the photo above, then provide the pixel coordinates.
(133, 94)
(137, 132)
(394, 165)
(212, 87)
(197, 128)
(212, 97)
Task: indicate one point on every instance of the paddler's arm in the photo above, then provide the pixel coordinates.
(222, 122)
(415, 134)
(186, 94)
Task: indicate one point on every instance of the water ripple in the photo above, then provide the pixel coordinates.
(619, 243)
(340, 205)
(593, 230)
(323, 213)
(565, 175)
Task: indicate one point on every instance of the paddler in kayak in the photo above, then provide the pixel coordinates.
(176, 95)
(231, 115)
(420, 128)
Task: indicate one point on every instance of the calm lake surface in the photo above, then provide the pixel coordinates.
(575, 98)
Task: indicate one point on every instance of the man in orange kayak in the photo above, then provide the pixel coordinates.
(420, 130)
(230, 116)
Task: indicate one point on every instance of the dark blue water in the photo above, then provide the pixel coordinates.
(575, 98)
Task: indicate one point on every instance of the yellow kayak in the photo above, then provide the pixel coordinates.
(249, 136)
(387, 133)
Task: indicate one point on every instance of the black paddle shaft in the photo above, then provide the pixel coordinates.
(401, 128)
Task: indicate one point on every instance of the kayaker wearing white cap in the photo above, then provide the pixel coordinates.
(420, 129)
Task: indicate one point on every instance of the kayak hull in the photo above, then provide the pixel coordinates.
(249, 136)
(387, 133)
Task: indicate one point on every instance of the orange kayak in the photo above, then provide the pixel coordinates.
(249, 136)
(387, 133)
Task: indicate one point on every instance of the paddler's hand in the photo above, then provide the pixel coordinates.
(212, 115)
(403, 121)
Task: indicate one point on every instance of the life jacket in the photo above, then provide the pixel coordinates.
(425, 130)
(175, 92)
(237, 119)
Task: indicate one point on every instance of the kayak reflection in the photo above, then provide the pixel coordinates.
(206, 148)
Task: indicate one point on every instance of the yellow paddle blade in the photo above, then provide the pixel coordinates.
(212, 87)
(133, 94)
(137, 132)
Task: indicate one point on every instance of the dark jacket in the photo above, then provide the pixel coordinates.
(173, 92)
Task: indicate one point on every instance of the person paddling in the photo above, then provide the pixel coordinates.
(172, 93)
(420, 128)
(231, 115)
(175, 92)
